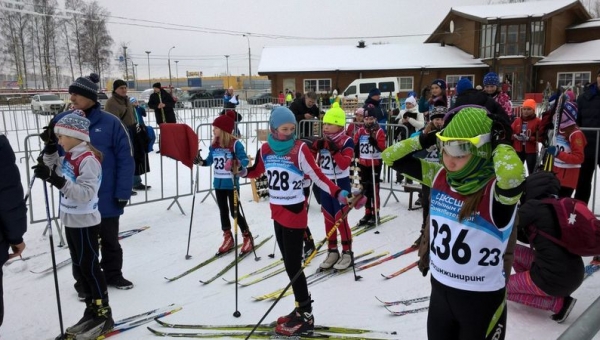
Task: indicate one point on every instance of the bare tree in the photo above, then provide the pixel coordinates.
(95, 39)
(46, 35)
(75, 23)
(13, 31)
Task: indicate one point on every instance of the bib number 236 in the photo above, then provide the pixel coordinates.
(443, 245)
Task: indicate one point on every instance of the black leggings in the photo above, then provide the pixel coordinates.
(584, 182)
(290, 242)
(83, 246)
(425, 202)
(529, 159)
(223, 196)
(465, 315)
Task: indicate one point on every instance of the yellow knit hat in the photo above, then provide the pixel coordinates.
(335, 116)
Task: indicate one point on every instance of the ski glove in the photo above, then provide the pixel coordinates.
(325, 143)
(427, 140)
(553, 150)
(501, 130)
(520, 137)
(44, 172)
(243, 172)
(198, 160)
(48, 135)
(343, 196)
(360, 201)
(373, 142)
(121, 203)
(230, 164)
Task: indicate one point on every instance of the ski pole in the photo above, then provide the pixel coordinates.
(187, 254)
(314, 253)
(375, 196)
(49, 227)
(241, 211)
(237, 313)
(31, 181)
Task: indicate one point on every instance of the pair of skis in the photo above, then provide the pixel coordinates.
(407, 302)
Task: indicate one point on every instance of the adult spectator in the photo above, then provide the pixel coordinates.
(230, 100)
(305, 108)
(13, 213)
(588, 104)
(120, 105)
(163, 105)
(467, 95)
(110, 137)
(374, 99)
(432, 96)
(491, 83)
(288, 98)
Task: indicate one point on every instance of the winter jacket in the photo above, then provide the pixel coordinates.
(140, 112)
(229, 101)
(588, 105)
(567, 164)
(533, 125)
(122, 108)
(380, 114)
(166, 114)
(13, 212)
(475, 97)
(299, 108)
(240, 155)
(504, 100)
(554, 270)
(380, 139)
(109, 136)
(427, 104)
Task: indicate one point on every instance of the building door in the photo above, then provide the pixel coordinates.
(512, 81)
(290, 84)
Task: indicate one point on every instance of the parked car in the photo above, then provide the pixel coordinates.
(217, 93)
(46, 103)
(261, 98)
(102, 98)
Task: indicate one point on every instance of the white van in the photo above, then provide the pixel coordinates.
(360, 88)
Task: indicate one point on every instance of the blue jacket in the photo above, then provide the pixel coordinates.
(240, 154)
(108, 135)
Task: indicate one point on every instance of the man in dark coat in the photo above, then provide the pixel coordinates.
(588, 105)
(467, 95)
(13, 213)
(163, 105)
(305, 108)
(374, 99)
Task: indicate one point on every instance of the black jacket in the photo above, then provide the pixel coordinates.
(169, 112)
(475, 97)
(555, 270)
(380, 114)
(588, 105)
(299, 108)
(13, 213)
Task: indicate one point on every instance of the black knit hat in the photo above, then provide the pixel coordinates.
(118, 83)
(438, 112)
(157, 85)
(86, 86)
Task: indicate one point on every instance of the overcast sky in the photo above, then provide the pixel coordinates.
(289, 22)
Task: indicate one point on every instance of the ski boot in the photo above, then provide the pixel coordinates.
(97, 321)
(344, 262)
(227, 243)
(364, 221)
(332, 257)
(300, 322)
(248, 244)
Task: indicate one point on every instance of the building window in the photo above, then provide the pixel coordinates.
(573, 80)
(512, 40)
(317, 85)
(488, 32)
(538, 36)
(406, 84)
(452, 80)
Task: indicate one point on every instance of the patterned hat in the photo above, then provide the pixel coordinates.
(438, 112)
(569, 115)
(439, 82)
(471, 122)
(491, 79)
(74, 125)
(132, 100)
(335, 116)
(86, 86)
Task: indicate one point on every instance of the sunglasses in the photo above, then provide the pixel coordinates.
(460, 146)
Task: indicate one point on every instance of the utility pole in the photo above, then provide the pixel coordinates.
(149, 81)
(177, 72)
(169, 60)
(134, 78)
(249, 62)
(227, 59)
(126, 71)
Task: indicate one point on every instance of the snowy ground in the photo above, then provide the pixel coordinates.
(30, 300)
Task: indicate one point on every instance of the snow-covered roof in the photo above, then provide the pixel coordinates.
(514, 10)
(588, 24)
(372, 57)
(578, 53)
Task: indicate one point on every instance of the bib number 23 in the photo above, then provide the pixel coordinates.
(444, 246)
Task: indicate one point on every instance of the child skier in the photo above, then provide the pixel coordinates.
(525, 134)
(474, 193)
(369, 142)
(286, 160)
(546, 273)
(353, 127)
(336, 151)
(79, 213)
(224, 151)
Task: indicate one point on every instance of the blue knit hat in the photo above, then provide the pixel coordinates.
(374, 92)
(491, 79)
(463, 85)
(132, 100)
(439, 82)
(279, 116)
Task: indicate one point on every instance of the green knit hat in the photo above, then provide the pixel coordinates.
(471, 122)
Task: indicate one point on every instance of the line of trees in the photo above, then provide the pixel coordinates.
(39, 39)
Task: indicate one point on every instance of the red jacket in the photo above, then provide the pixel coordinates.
(366, 149)
(567, 164)
(533, 125)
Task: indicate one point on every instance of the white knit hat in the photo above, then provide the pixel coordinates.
(73, 125)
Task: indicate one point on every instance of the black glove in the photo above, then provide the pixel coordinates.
(373, 141)
(121, 203)
(198, 160)
(501, 130)
(44, 172)
(423, 268)
(427, 139)
(48, 135)
(50, 148)
(325, 143)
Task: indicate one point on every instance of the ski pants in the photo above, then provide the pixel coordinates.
(367, 181)
(584, 182)
(521, 289)
(466, 315)
(529, 159)
(223, 197)
(83, 246)
(290, 241)
(332, 212)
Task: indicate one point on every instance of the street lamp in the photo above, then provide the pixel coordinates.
(133, 70)
(169, 60)
(149, 81)
(227, 59)
(249, 62)
(177, 71)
